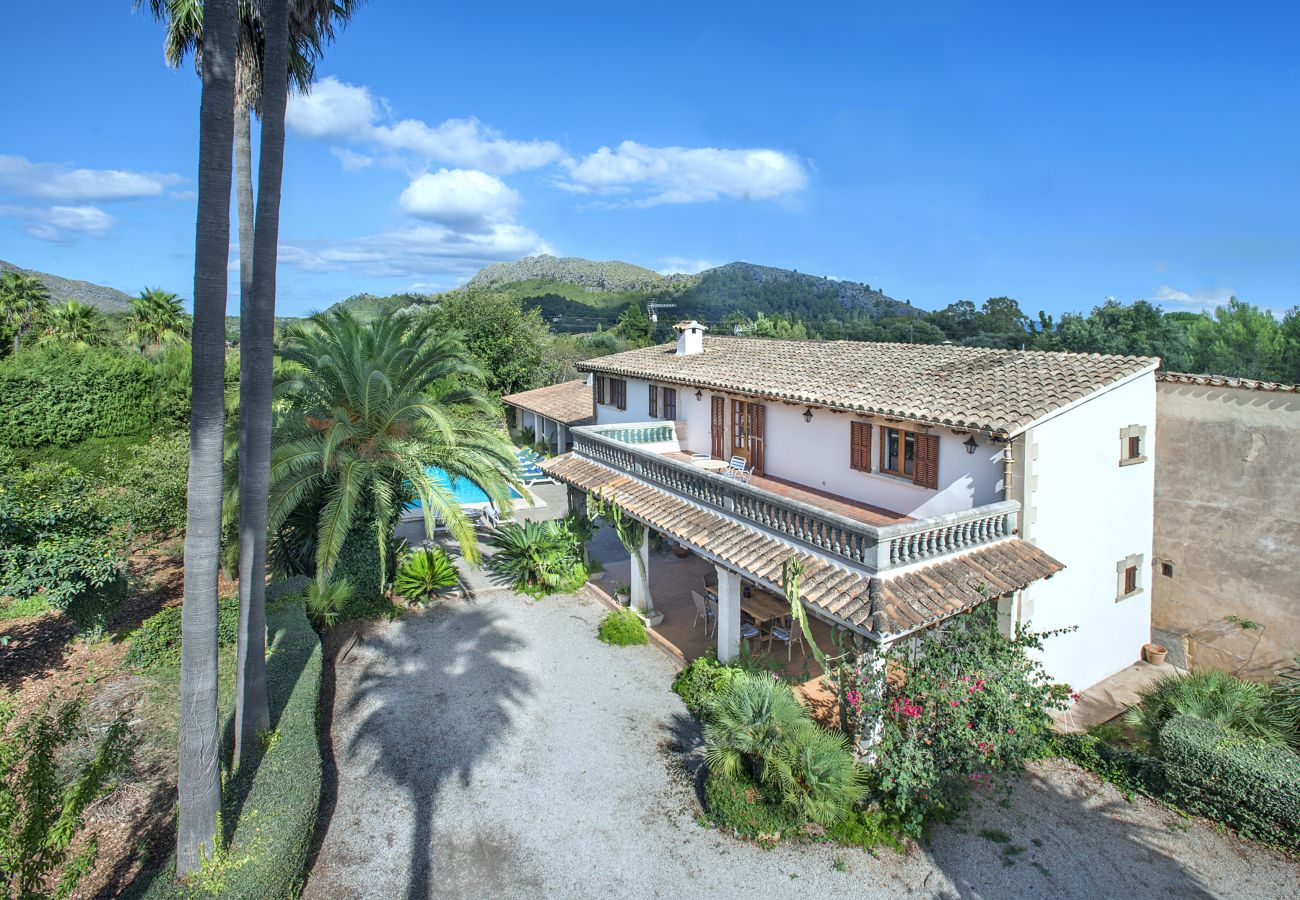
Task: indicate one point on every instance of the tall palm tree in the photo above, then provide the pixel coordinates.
(198, 780)
(79, 324)
(279, 41)
(24, 300)
(367, 408)
(157, 319)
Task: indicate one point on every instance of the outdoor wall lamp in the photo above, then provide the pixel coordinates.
(970, 444)
(699, 394)
(807, 414)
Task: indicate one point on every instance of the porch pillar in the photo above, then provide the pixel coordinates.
(728, 627)
(640, 563)
(874, 669)
(1009, 614)
(560, 439)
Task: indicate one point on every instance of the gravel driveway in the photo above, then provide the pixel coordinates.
(494, 747)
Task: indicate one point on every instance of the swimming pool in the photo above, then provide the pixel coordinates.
(466, 492)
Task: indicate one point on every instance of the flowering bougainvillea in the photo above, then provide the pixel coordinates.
(962, 704)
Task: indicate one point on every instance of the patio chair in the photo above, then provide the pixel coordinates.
(789, 634)
(705, 609)
(735, 467)
(749, 631)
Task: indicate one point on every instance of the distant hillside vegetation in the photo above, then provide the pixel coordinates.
(106, 299)
(578, 294)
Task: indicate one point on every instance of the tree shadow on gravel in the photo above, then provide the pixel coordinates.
(436, 694)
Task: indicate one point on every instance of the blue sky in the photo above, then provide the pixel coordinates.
(937, 150)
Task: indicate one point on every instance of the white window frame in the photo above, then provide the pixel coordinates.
(1133, 561)
(1132, 431)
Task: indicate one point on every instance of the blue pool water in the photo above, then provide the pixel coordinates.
(464, 490)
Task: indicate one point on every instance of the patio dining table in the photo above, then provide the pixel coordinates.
(712, 465)
(762, 607)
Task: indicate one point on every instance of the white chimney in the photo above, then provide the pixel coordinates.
(690, 338)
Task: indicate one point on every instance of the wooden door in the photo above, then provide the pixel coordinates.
(717, 426)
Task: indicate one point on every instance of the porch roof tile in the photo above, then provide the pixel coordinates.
(884, 608)
(568, 402)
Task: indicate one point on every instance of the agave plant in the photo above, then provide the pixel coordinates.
(1215, 696)
(423, 573)
(748, 724)
(326, 599)
(537, 557)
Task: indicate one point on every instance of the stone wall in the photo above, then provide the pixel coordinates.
(1226, 567)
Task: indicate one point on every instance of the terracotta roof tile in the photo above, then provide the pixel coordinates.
(889, 606)
(999, 391)
(1248, 384)
(568, 402)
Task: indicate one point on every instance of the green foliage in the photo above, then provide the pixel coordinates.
(150, 485)
(156, 644)
(43, 799)
(506, 341)
(1244, 781)
(24, 302)
(623, 628)
(538, 558)
(61, 396)
(425, 573)
(74, 324)
(273, 800)
(867, 829)
(759, 730)
(326, 602)
(56, 539)
(738, 805)
(283, 589)
(362, 568)
(1247, 707)
(157, 319)
(972, 705)
(1128, 770)
(700, 683)
(1286, 697)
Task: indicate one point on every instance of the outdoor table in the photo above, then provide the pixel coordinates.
(713, 465)
(762, 607)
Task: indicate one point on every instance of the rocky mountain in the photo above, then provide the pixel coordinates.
(105, 299)
(612, 276)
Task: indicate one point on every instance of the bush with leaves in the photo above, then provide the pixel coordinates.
(43, 800)
(424, 573)
(156, 644)
(701, 681)
(538, 558)
(150, 485)
(57, 540)
(1246, 707)
(325, 602)
(623, 628)
(969, 706)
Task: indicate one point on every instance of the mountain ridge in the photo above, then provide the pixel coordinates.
(102, 297)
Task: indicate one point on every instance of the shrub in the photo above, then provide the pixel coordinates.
(359, 565)
(424, 573)
(866, 829)
(1215, 696)
(43, 807)
(151, 484)
(700, 682)
(1128, 770)
(156, 644)
(63, 396)
(283, 589)
(738, 805)
(56, 540)
(325, 601)
(623, 628)
(538, 558)
(1245, 781)
(273, 799)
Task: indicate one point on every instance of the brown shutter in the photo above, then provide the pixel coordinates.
(926, 468)
(884, 444)
(860, 446)
(717, 426)
(670, 403)
(757, 415)
(654, 401)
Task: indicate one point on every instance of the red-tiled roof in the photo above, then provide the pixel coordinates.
(568, 402)
(1248, 384)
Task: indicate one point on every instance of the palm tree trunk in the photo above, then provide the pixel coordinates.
(198, 778)
(256, 349)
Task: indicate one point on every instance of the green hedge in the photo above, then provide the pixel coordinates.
(63, 396)
(274, 800)
(1243, 781)
(156, 644)
(1128, 770)
(623, 628)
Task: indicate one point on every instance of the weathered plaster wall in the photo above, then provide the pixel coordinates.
(1227, 500)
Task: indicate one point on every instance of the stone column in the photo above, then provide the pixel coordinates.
(560, 438)
(1009, 614)
(873, 657)
(728, 614)
(640, 586)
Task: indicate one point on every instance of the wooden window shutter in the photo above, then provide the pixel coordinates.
(884, 444)
(926, 469)
(757, 415)
(670, 403)
(860, 446)
(654, 401)
(622, 394)
(717, 426)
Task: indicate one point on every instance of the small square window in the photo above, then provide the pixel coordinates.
(1133, 445)
(1128, 581)
(1167, 569)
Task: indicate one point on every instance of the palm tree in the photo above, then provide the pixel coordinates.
(198, 779)
(77, 323)
(157, 319)
(24, 300)
(368, 407)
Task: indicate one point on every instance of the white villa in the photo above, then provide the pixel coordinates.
(913, 481)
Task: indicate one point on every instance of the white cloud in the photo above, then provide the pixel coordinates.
(1198, 299)
(468, 199)
(416, 251)
(54, 181)
(60, 224)
(680, 265)
(349, 113)
(686, 174)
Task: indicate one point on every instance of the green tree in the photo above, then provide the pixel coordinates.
(507, 342)
(158, 319)
(1290, 328)
(79, 324)
(634, 326)
(23, 303)
(1239, 339)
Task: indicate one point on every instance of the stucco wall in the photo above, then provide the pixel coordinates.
(816, 454)
(1088, 511)
(1228, 518)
